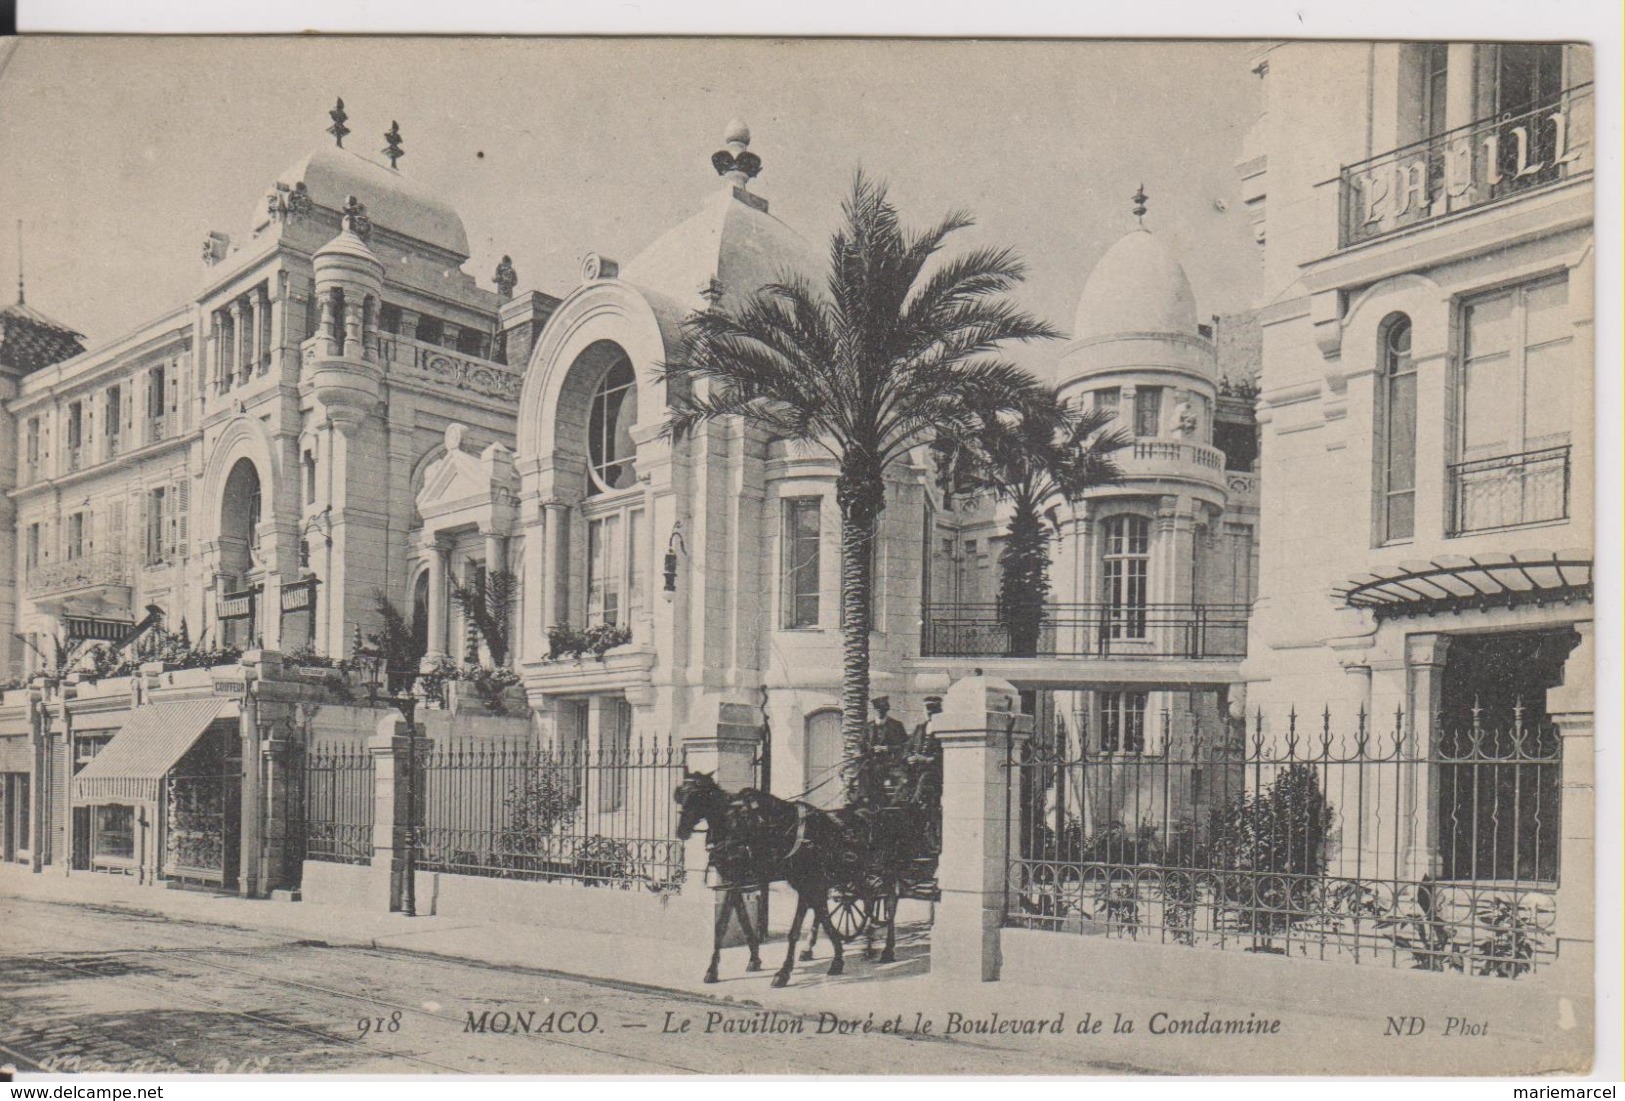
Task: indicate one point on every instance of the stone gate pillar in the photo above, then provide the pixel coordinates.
(386, 875)
(980, 729)
(1571, 707)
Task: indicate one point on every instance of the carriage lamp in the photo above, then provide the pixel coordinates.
(674, 547)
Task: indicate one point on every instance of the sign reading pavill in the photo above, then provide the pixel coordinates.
(1468, 167)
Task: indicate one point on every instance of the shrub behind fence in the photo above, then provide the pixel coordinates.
(1349, 845)
(603, 817)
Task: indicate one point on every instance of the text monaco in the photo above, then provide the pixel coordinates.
(529, 1022)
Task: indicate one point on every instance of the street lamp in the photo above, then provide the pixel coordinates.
(375, 662)
(674, 546)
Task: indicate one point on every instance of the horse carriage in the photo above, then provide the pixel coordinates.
(897, 823)
(848, 866)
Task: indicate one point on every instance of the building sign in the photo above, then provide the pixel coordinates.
(86, 629)
(230, 686)
(1468, 167)
(299, 596)
(233, 606)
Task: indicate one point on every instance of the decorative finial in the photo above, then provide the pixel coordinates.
(1139, 198)
(393, 150)
(19, 261)
(506, 278)
(355, 217)
(736, 164)
(338, 129)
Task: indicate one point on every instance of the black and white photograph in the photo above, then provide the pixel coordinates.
(792, 556)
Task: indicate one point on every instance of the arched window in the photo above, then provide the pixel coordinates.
(609, 429)
(1125, 564)
(1396, 456)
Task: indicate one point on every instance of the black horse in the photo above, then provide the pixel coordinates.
(755, 839)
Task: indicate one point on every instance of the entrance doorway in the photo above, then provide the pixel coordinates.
(1498, 757)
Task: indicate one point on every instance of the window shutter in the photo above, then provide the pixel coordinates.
(180, 494)
(115, 524)
(184, 365)
(170, 518)
(143, 552)
(172, 379)
(128, 405)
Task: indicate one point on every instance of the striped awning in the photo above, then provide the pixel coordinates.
(17, 754)
(1462, 582)
(130, 769)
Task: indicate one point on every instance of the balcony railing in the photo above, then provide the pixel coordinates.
(1174, 451)
(88, 571)
(449, 367)
(1509, 491)
(1193, 631)
(1470, 166)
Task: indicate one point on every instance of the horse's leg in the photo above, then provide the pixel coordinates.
(721, 931)
(782, 976)
(821, 915)
(889, 954)
(811, 940)
(751, 937)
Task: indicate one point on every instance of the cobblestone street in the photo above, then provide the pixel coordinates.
(145, 991)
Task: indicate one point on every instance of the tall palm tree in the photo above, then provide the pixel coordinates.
(1046, 452)
(885, 357)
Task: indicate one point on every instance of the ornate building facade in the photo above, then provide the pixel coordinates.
(341, 412)
(1426, 416)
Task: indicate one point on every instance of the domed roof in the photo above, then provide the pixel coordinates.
(348, 243)
(734, 240)
(1138, 287)
(393, 200)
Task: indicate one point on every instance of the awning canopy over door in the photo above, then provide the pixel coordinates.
(1454, 583)
(154, 738)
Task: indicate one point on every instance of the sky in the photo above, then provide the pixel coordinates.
(120, 155)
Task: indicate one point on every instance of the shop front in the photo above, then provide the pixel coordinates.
(161, 799)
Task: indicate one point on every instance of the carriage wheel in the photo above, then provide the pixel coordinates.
(849, 914)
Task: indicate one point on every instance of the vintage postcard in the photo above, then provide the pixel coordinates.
(645, 556)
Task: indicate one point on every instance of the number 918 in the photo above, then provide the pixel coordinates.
(369, 1025)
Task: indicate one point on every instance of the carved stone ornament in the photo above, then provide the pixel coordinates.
(285, 204)
(355, 217)
(598, 267)
(506, 278)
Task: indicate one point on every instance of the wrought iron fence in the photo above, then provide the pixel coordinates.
(1472, 165)
(601, 817)
(1352, 845)
(1209, 631)
(1509, 491)
(339, 800)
